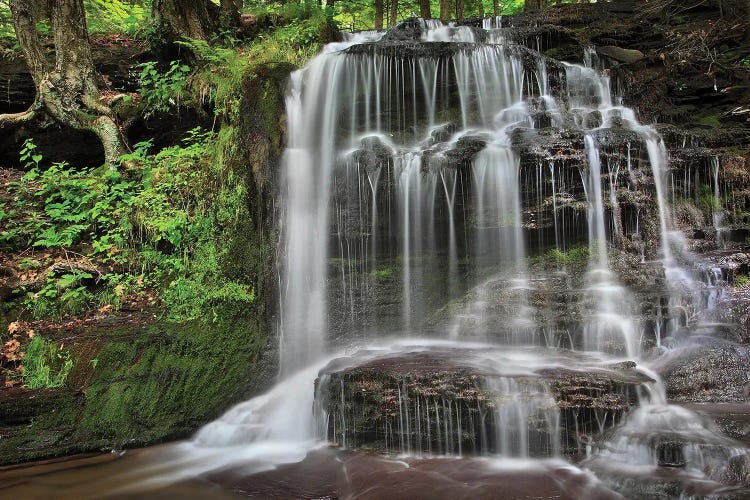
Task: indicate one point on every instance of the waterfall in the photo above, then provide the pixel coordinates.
(424, 180)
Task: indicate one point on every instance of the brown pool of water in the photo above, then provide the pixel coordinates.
(323, 473)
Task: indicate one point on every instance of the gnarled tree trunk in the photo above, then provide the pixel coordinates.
(66, 91)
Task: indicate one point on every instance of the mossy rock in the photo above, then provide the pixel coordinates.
(151, 384)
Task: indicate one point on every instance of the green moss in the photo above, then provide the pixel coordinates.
(556, 258)
(45, 364)
(156, 383)
(382, 273)
(170, 380)
(741, 281)
(710, 120)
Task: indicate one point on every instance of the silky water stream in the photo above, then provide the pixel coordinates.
(453, 321)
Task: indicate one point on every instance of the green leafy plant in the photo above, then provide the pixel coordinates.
(159, 225)
(60, 295)
(29, 158)
(162, 90)
(116, 16)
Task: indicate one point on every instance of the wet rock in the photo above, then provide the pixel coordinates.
(331, 473)
(670, 453)
(627, 56)
(465, 149)
(734, 264)
(20, 406)
(737, 471)
(443, 133)
(406, 30)
(373, 153)
(714, 372)
(440, 402)
(549, 144)
(401, 49)
(615, 137)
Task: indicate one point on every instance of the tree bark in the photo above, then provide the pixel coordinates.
(459, 9)
(393, 15)
(230, 13)
(496, 7)
(179, 19)
(534, 5)
(446, 8)
(424, 9)
(67, 92)
(378, 14)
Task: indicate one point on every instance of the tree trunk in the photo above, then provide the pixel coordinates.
(378, 14)
(179, 19)
(424, 9)
(534, 5)
(446, 8)
(459, 9)
(67, 91)
(496, 7)
(480, 6)
(393, 15)
(230, 14)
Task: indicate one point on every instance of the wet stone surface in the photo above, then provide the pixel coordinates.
(445, 403)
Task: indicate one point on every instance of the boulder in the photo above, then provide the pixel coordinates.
(626, 56)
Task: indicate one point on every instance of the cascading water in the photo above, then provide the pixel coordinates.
(426, 169)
